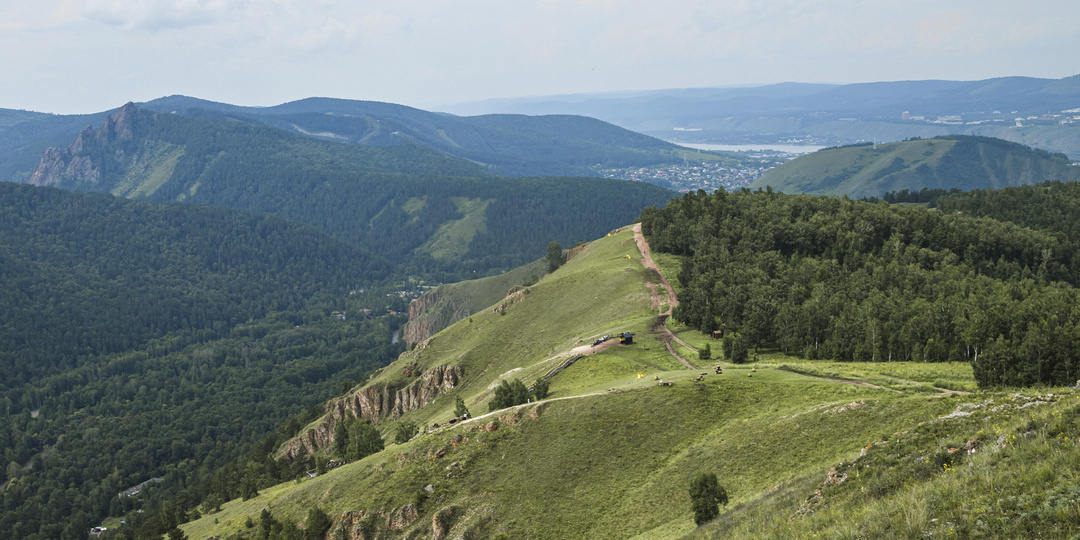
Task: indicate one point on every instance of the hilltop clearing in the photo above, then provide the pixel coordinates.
(449, 303)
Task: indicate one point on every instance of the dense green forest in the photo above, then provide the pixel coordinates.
(391, 200)
(509, 144)
(85, 275)
(143, 340)
(835, 278)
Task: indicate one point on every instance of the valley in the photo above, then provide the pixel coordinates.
(215, 297)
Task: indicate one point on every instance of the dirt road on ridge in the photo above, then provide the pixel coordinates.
(649, 264)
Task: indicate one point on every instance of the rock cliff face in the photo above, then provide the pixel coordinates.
(419, 327)
(351, 524)
(374, 403)
(430, 313)
(68, 166)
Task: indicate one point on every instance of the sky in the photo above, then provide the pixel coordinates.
(83, 56)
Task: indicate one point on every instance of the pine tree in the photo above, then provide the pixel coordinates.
(317, 524)
(459, 408)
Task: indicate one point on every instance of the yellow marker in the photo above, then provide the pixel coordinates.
(641, 375)
(627, 256)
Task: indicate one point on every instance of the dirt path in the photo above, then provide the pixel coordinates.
(525, 405)
(681, 342)
(670, 349)
(841, 380)
(647, 262)
(650, 265)
(945, 391)
(592, 349)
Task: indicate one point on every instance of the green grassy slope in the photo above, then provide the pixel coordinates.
(943, 163)
(451, 302)
(609, 454)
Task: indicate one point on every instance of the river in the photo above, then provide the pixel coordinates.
(786, 148)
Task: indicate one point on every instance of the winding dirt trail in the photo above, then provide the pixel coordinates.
(647, 262)
(842, 380)
(944, 391)
(650, 265)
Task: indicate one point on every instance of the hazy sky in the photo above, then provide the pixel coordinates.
(68, 56)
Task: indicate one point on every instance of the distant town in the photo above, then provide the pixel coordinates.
(736, 170)
(1066, 117)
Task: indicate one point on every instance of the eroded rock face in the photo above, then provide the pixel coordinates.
(63, 165)
(352, 524)
(440, 523)
(376, 402)
(431, 313)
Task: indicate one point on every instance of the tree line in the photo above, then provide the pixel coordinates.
(834, 278)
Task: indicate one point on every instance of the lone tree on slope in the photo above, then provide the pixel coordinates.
(706, 496)
(555, 257)
(459, 407)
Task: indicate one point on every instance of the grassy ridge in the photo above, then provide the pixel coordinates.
(962, 162)
(610, 455)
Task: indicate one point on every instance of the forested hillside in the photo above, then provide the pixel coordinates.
(948, 162)
(511, 145)
(417, 207)
(835, 278)
(139, 339)
(24, 134)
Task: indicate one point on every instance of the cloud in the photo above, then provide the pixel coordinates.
(160, 14)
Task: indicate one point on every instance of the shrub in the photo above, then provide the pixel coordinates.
(540, 389)
(317, 524)
(404, 432)
(740, 352)
(508, 395)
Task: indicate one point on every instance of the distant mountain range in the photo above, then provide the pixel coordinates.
(412, 204)
(832, 114)
(508, 145)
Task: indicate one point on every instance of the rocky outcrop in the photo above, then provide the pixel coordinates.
(69, 166)
(365, 525)
(374, 403)
(430, 313)
(440, 523)
(517, 294)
